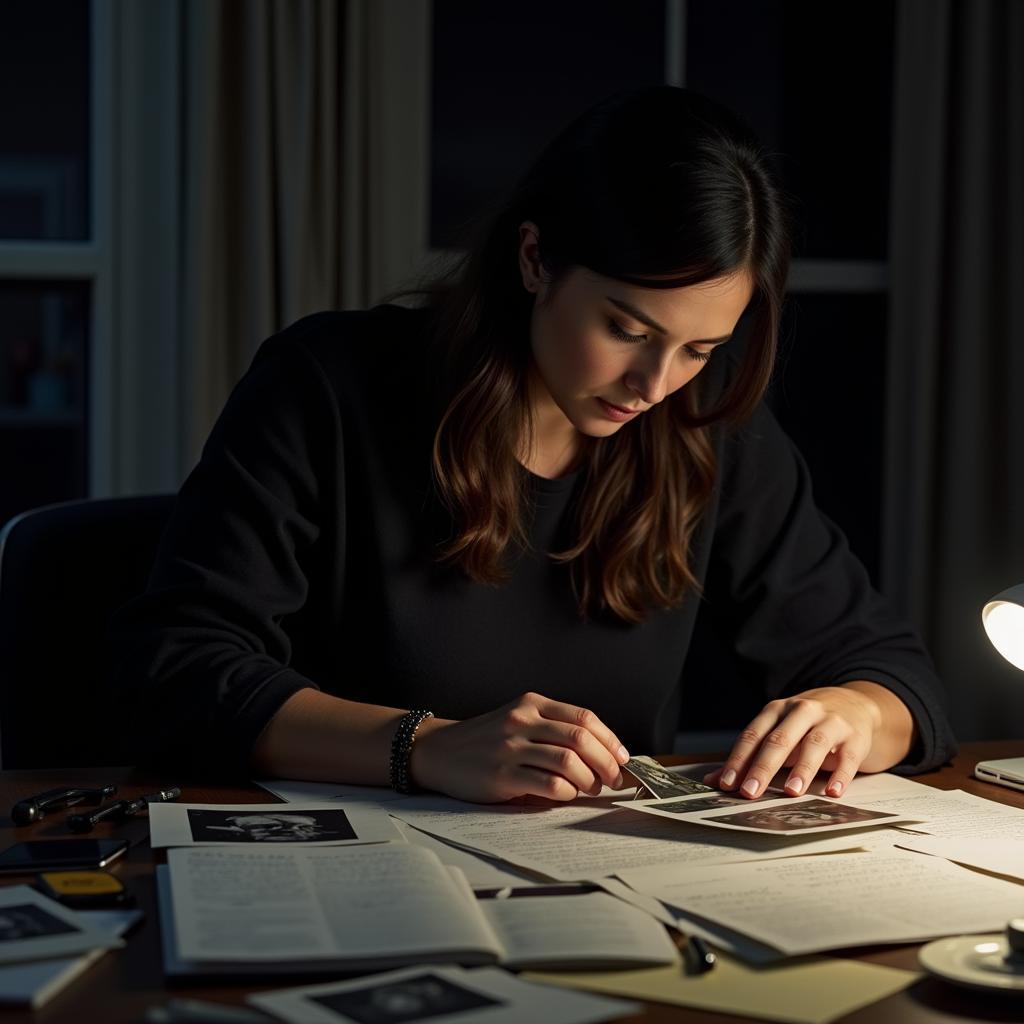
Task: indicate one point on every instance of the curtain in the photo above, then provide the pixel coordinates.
(272, 157)
(953, 532)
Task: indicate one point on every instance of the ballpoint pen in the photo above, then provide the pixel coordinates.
(697, 958)
(120, 809)
(35, 808)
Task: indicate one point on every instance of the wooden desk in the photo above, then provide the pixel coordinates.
(119, 988)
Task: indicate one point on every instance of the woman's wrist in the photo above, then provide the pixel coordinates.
(895, 728)
(427, 758)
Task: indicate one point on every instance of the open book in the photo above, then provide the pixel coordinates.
(316, 909)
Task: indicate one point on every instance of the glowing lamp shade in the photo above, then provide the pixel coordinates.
(1003, 619)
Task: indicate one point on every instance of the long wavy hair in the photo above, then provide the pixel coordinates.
(658, 187)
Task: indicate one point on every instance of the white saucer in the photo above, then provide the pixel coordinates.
(977, 961)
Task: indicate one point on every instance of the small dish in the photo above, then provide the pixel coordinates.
(977, 961)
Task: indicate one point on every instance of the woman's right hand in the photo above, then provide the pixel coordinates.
(533, 746)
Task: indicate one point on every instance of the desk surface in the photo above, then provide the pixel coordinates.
(118, 989)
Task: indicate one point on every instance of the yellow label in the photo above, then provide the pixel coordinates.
(77, 883)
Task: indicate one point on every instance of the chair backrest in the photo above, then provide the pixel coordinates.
(63, 570)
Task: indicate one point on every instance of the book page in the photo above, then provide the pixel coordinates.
(385, 902)
(592, 929)
(835, 901)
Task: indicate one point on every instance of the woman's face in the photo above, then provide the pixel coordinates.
(598, 343)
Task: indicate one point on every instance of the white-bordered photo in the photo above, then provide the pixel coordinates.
(174, 824)
(34, 927)
(441, 995)
(789, 816)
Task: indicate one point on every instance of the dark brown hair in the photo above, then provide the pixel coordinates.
(699, 203)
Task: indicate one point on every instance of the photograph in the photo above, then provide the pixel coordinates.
(705, 803)
(418, 998)
(659, 780)
(268, 827)
(27, 921)
(812, 814)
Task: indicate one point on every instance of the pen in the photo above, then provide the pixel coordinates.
(120, 809)
(697, 957)
(34, 808)
(535, 890)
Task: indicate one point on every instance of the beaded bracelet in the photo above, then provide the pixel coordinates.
(401, 749)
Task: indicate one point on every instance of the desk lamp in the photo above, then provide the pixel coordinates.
(991, 961)
(1003, 619)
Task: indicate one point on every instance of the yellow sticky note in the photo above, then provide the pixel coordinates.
(810, 990)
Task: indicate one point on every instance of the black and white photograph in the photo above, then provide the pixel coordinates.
(281, 824)
(35, 927)
(442, 995)
(659, 781)
(705, 803)
(269, 827)
(770, 815)
(418, 998)
(812, 814)
(27, 921)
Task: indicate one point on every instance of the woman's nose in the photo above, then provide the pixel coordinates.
(649, 382)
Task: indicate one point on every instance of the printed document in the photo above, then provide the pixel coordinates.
(813, 904)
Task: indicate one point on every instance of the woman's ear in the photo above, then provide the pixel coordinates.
(529, 256)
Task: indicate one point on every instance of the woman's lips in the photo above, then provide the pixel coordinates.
(616, 412)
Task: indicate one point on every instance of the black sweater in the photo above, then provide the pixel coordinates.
(299, 553)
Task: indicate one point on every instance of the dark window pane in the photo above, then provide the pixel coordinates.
(44, 120)
(508, 76)
(824, 109)
(829, 395)
(43, 356)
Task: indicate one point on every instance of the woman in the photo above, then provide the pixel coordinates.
(508, 507)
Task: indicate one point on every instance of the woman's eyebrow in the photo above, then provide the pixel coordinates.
(636, 314)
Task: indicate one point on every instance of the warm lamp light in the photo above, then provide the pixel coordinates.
(1003, 619)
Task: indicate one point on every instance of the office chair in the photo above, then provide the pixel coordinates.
(63, 569)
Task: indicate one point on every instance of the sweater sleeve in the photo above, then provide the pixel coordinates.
(797, 603)
(201, 657)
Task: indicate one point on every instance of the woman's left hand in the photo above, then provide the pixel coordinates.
(838, 729)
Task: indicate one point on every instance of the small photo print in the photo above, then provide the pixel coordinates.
(418, 998)
(210, 826)
(657, 779)
(703, 803)
(27, 921)
(808, 815)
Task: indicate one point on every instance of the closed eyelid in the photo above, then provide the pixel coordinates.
(640, 317)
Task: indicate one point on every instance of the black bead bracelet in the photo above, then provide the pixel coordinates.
(401, 749)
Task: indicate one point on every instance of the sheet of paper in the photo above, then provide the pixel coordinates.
(1000, 856)
(444, 995)
(834, 901)
(954, 814)
(565, 930)
(34, 927)
(789, 816)
(580, 841)
(280, 904)
(174, 824)
(481, 872)
(33, 984)
(812, 990)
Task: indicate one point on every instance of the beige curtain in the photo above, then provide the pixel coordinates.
(954, 518)
(262, 218)
(272, 161)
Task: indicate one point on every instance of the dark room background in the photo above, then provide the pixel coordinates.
(127, 304)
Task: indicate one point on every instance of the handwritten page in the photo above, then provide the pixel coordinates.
(276, 905)
(812, 904)
(586, 841)
(1000, 856)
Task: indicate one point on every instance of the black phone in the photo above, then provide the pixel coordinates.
(47, 854)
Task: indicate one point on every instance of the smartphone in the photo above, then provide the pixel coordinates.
(47, 854)
(1009, 771)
